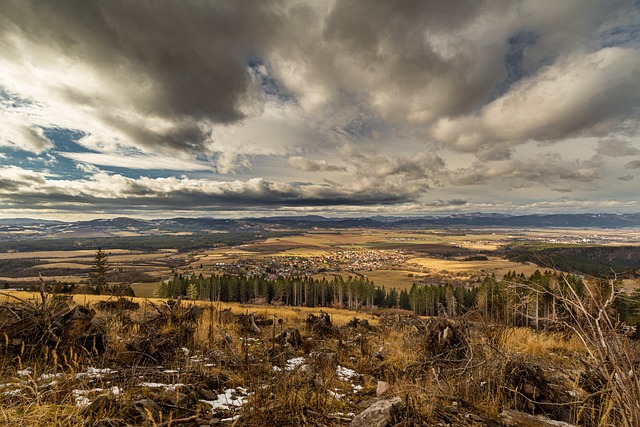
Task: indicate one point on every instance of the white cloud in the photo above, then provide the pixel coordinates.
(574, 95)
(137, 161)
(304, 164)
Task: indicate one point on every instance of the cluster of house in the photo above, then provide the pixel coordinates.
(335, 262)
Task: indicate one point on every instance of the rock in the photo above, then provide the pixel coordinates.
(324, 358)
(307, 369)
(100, 405)
(520, 419)
(148, 409)
(382, 388)
(530, 390)
(207, 394)
(380, 354)
(175, 397)
(289, 336)
(378, 414)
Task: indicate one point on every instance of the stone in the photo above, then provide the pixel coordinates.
(382, 388)
(101, 404)
(379, 414)
(175, 397)
(148, 409)
(514, 418)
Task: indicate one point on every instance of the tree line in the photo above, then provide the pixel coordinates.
(514, 299)
(352, 292)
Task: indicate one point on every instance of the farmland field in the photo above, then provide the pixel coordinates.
(402, 258)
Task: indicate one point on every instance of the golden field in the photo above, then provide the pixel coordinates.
(424, 261)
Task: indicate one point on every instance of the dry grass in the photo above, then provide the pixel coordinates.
(469, 389)
(58, 254)
(497, 266)
(545, 344)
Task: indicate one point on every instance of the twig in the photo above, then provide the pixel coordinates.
(225, 338)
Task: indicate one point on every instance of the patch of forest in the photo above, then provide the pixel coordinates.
(515, 299)
(16, 268)
(598, 261)
(139, 243)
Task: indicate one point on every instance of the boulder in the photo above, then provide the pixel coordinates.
(379, 414)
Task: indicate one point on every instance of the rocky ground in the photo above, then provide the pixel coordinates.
(176, 363)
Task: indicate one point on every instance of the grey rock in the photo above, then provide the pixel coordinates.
(379, 414)
(148, 409)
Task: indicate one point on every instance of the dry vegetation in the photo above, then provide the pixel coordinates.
(165, 363)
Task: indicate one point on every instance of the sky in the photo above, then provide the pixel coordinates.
(339, 107)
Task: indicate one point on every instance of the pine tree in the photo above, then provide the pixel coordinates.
(98, 274)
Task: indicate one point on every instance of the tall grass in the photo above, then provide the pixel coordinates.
(615, 358)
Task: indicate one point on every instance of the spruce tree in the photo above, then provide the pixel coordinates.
(98, 274)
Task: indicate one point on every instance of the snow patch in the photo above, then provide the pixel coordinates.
(230, 398)
(161, 385)
(345, 374)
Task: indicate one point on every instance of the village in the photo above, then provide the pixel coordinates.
(295, 265)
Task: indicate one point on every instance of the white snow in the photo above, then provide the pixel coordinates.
(335, 394)
(294, 363)
(95, 372)
(81, 395)
(161, 385)
(232, 397)
(346, 374)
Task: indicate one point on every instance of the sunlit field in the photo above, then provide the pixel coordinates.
(497, 266)
(424, 251)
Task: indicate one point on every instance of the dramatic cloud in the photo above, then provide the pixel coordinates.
(548, 168)
(20, 189)
(551, 105)
(417, 166)
(155, 75)
(398, 105)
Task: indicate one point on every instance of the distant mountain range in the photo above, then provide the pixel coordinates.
(22, 228)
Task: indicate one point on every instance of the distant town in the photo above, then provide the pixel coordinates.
(337, 262)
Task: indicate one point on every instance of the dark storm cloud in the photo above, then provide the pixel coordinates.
(181, 61)
(411, 45)
(21, 189)
(191, 55)
(409, 62)
(626, 178)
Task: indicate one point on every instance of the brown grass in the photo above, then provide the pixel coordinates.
(470, 389)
